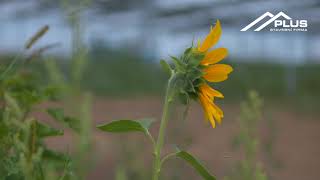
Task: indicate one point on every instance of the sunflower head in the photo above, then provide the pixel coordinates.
(198, 66)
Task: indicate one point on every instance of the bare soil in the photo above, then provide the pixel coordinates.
(292, 136)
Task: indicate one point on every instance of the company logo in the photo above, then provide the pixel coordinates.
(278, 25)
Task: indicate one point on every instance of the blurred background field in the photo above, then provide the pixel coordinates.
(124, 41)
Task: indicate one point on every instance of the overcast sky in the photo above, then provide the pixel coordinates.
(158, 38)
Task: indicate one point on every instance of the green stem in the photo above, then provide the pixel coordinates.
(168, 156)
(10, 66)
(162, 130)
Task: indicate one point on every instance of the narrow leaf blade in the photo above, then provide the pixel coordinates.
(55, 156)
(195, 164)
(56, 113)
(46, 131)
(70, 122)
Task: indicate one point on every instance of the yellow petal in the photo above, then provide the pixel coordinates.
(212, 38)
(210, 92)
(214, 56)
(213, 123)
(219, 113)
(217, 72)
(205, 102)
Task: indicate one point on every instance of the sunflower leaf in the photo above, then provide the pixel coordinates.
(180, 66)
(126, 125)
(195, 164)
(166, 67)
(187, 51)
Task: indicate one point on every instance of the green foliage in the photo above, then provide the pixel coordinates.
(46, 131)
(184, 79)
(166, 67)
(23, 153)
(195, 164)
(70, 122)
(121, 126)
(188, 74)
(145, 77)
(248, 168)
(107, 70)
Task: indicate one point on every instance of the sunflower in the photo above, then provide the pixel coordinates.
(212, 72)
(195, 68)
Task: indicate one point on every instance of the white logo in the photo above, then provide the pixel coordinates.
(279, 25)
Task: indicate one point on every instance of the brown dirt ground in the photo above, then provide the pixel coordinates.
(294, 138)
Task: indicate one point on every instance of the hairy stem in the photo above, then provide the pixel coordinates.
(162, 130)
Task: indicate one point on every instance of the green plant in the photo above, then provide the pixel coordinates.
(24, 155)
(248, 168)
(188, 81)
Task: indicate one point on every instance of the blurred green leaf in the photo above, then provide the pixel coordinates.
(183, 97)
(55, 156)
(73, 123)
(198, 82)
(187, 51)
(120, 126)
(46, 131)
(58, 114)
(121, 173)
(53, 92)
(194, 61)
(195, 74)
(189, 86)
(3, 128)
(180, 66)
(166, 67)
(195, 164)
